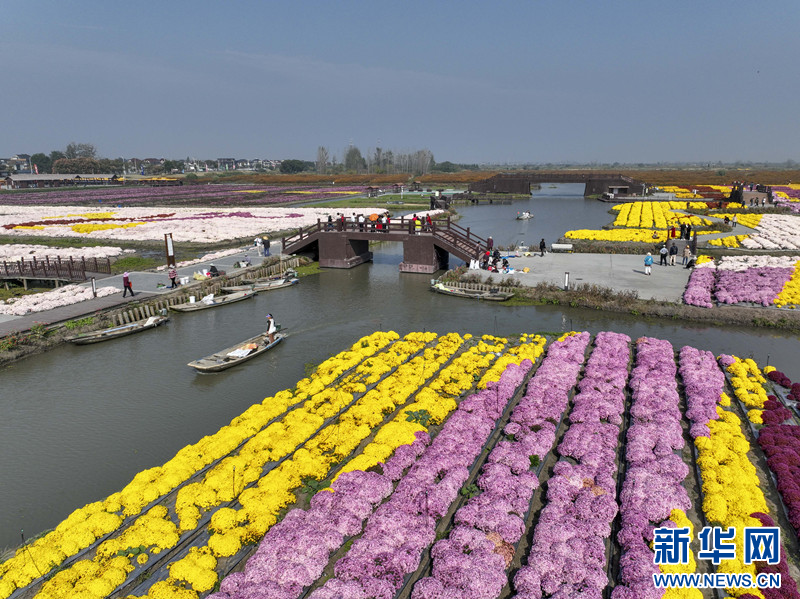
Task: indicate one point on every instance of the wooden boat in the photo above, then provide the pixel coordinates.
(261, 285)
(215, 302)
(120, 331)
(241, 352)
(524, 215)
(490, 296)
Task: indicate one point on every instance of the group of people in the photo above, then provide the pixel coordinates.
(262, 245)
(668, 256)
(340, 222)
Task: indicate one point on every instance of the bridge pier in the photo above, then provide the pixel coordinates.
(339, 251)
(420, 254)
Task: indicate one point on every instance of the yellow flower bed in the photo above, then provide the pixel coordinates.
(30, 227)
(92, 215)
(790, 294)
(746, 220)
(730, 486)
(656, 214)
(733, 241)
(530, 348)
(92, 227)
(747, 382)
(81, 528)
(702, 259)
(681, 521)
(640, 235)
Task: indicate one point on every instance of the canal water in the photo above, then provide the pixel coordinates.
(77, 423)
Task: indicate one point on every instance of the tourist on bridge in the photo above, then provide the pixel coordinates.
(126, 284)
(417, 224)
(542, 246)
(648, 263)
(329, 227)
(663, 253)
(361, 222)
(428, 223)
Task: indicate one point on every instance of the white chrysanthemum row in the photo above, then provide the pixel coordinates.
(742, 263)
(18, 251)
(775, 232)
(63, 296)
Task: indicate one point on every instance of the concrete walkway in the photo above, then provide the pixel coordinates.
(145, 285)
(621, 272)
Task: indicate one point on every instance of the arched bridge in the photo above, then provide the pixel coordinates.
(344, 245)
(595, 183)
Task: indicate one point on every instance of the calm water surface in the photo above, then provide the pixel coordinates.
(77, 423)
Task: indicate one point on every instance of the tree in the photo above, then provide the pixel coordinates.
(82, 150)
(76, 166)
(354, 161)
(42, 162)
(293, 166)
(322, 160)
(56, 155)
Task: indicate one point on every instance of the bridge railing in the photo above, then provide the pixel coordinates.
(460, 238)
(54, 268)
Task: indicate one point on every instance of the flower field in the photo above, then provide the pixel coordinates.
(47, 300)
(12, 252)
(142, 224)
(447, 466)
(763, 280)
(208, 195)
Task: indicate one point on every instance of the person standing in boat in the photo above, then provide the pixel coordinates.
(271, 328)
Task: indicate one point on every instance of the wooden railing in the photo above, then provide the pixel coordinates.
(70, 269)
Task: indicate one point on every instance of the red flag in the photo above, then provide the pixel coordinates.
(36, 168)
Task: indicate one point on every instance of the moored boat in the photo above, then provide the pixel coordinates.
(241, 352)
(524, 215)
(262, 285)
(121, 331)
(493, 295)
(213, 301)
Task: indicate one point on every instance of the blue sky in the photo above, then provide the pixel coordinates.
(503, 81)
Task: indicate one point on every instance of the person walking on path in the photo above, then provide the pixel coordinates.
(266, 245)
(172, 273)
(271, 328)
(648, 263)
(673, 253)
(542, 247)
(126, 284)
(733, 221)
(663, 253)
(687, 253)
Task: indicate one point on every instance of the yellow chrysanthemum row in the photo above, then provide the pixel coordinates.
(655, 214)
(747, 381)
(790, 294)
(730, 486)
(92, 227)
(732, 241)
(681, 521)
(747, 220)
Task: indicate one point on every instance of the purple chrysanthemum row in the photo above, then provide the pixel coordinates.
(704, 383)
(472, 561)
(654, 474)
(581, 497)
(699, 288)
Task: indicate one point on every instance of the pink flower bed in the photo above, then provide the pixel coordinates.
(63, 296)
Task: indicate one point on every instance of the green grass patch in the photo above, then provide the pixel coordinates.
(308, 269)
(135, 263)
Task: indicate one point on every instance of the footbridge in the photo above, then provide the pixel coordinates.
(594, 183)
(344, 245)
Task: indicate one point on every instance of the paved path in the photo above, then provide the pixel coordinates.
(145, 285)
(621, 272)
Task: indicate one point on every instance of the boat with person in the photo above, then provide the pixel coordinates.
(524, 215)
(236, 354)
(493, 295)
(120, 331)
(212, 301)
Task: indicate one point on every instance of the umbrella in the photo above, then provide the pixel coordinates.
(373, 217)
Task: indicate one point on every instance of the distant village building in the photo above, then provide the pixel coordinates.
(28, 181)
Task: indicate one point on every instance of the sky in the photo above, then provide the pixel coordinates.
(505, 81)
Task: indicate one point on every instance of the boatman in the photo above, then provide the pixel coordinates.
(271, 328)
